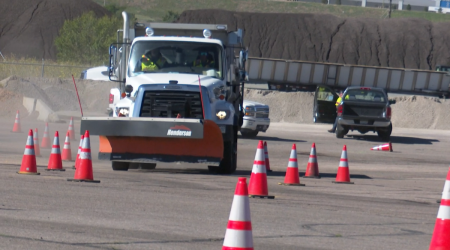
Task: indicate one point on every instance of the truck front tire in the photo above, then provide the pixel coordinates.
(120, 166)
(229, 162)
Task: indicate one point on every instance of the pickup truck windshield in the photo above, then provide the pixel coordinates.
(364, 95)
(176, 57)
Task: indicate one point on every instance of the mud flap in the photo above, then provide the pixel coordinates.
(157, 139)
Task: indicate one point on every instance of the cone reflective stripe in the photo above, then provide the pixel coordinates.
(17, 128)
(55, 162)
(239, 229)
(45, 143)
(292, 176)
(37, 150)
(77, 160)
(29, 158)
(312, 169)
(71, 130)
(67, 152)
(266, 155)
(84, 171)
(343, 174)
(384, 147)
(258, 179)
(441, 237)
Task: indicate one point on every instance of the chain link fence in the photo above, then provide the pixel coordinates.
(43, 69)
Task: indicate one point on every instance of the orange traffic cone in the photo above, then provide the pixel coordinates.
(239, 229)
(312, 169)
(45, 143)
(67, 152)
(29, 158)
(179, 115)
(258, 180)
(440, 239)
(292, 176)
(384, 147)
(71, 130)
(77, 160)
(37, 150)
(84, 169)
(55, 162)
(266, 154)
(17, 128)
(343, 174)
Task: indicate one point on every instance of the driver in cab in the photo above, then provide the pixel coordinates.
(205, 60)
(152, 60)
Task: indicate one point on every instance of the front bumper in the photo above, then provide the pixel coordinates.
(256, 124)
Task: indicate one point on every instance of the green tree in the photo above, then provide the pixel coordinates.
(408, 7)
(338, 2)
(86, 39)
(171, 16)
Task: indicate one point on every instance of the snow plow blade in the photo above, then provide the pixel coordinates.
(156, 139)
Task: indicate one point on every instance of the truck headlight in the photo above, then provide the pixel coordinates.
(222, 115)
(122, 112)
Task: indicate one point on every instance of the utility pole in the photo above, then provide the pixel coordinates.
(390, 7)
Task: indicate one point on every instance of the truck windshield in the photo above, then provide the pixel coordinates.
(176, 57)
(364, 95)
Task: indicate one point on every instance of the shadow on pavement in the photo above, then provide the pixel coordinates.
(394, 139)
(269, 138)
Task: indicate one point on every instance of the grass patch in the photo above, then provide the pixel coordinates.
(26, 67)
(154, 10)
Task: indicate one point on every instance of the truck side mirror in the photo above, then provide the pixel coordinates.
(112, 59)
(242, 58)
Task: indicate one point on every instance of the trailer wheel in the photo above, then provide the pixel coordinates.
(120, 166)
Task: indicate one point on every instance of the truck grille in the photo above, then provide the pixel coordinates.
(171, 103)
(262, 112)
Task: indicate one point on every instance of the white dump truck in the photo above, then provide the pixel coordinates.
(179, 97)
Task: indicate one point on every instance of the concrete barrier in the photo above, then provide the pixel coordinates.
(46, 114)
(29, 104)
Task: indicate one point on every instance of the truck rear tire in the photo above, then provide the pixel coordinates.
(340, 131)
(385, 135)
(120, 166)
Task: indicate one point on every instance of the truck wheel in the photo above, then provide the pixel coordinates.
(120, 166)
(229, 162)
(249, 134)
(340, 131)
(385, 135)
(145, 166)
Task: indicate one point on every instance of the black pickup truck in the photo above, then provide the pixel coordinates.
(365, 109)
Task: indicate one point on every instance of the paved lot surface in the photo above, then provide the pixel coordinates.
(392, 204)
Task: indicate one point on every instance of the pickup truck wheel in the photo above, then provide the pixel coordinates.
(340, 131)
(385, 135)
(249, 134)
(120, 166)
(315, 119)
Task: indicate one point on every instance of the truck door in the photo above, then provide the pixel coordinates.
(324, 104)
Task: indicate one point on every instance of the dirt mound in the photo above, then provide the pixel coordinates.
(29, 28)
(402, 43)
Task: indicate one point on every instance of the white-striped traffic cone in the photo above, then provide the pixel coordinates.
(37, 149)
(239, 229)
(440, 239)
(17, 128)
(266, 154)
(45, 143)
(55, 162)
(258, 180)
(292, 175)
(29, 158)
(312, 169)
(343, 174)
(67, 151)
(71, 130)
(84, 171)
(77, 160)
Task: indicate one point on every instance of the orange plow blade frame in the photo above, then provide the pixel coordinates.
(208, 149)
